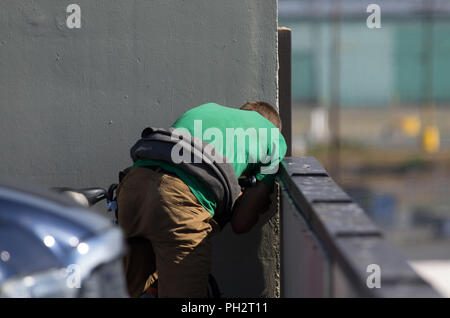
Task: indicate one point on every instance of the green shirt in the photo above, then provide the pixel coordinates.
(252, 144)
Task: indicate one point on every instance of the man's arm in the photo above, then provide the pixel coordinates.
(254, 201)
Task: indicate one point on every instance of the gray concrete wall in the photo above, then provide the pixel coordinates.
(72, 101)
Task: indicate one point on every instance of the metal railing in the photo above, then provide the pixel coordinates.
(329, 246)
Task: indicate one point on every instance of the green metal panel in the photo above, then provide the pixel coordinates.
(302, 76)
(378, 66)
(441, 61)
(408, 62)
(410, 79)
(365, 64)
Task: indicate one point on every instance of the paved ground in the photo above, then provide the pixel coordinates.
(435, 272)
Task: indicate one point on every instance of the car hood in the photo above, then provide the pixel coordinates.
(39, 229)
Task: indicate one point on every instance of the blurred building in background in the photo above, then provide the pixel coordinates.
(373, 105)
(379, 67)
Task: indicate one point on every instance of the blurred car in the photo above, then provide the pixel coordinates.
(50, 246)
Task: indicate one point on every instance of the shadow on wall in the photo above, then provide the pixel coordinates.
(247, 265)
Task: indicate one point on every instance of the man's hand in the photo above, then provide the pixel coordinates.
(254, 201)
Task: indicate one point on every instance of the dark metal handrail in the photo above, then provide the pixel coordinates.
(337, 241)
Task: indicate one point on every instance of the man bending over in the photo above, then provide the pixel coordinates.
(171, 202)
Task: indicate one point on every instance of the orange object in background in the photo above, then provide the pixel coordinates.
(431, 139)
(411, 125)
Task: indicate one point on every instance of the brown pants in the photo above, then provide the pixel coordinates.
(173, 234)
